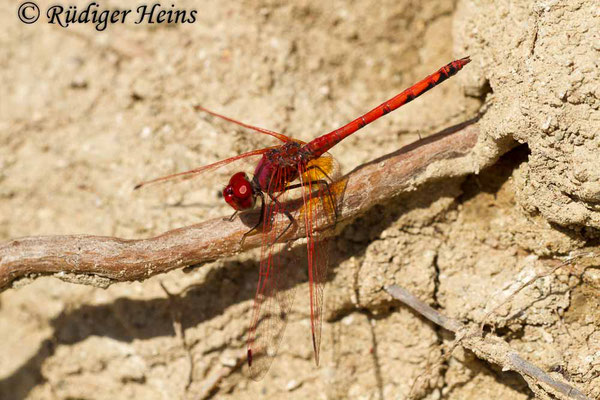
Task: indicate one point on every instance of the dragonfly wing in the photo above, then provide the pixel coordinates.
(276, 285)
(180, 176)
(277, 135)
(319, 207)
(275, 291)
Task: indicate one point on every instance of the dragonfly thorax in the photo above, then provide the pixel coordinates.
(239, 193)
(280, 166)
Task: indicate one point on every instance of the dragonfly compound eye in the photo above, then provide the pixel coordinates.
(239, 194)
(243, 190)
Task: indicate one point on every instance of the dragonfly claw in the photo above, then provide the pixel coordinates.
(230, 218)
(244, 236)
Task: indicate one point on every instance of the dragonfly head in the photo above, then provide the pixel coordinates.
(239, 193)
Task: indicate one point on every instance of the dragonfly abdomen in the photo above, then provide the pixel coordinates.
(323, 143)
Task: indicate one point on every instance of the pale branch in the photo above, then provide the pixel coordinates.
(522, 286)
(490, 348)
(101, 260)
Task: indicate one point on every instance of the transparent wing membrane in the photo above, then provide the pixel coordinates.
(275, 291)
(181, 176)
(276, 286)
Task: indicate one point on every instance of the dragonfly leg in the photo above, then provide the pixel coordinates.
(321, 171)
(232, 217)
(287, 214)
(260, 219)
(318, 182)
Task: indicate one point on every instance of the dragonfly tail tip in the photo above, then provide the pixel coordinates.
(198, 107)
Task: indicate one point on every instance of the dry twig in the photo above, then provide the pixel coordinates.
(492, 349)
(522, 286)
(101, 260)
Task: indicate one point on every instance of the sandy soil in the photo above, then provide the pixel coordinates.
(84, 115)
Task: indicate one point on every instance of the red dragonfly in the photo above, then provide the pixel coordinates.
(274, 176)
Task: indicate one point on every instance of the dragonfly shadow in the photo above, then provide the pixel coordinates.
(126, 319)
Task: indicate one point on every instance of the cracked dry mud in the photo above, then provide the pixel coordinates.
(88, 114)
